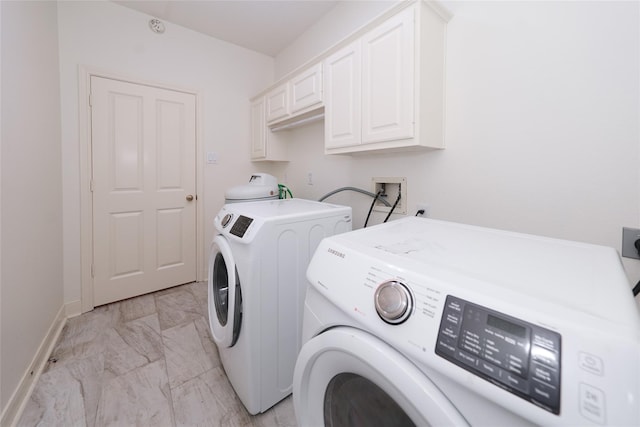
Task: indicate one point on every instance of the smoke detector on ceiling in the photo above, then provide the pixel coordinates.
(156, 26)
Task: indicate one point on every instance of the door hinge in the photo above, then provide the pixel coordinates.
(91, 185)
(90, 100)
(92, 271)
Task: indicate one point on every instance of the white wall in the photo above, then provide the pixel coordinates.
(115, 39)
(31, 266)
(542, 126)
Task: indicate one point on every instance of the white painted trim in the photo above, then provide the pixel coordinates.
(2, 410)
(73, 309)
(86, 207)
(201, 255)
(18, 401)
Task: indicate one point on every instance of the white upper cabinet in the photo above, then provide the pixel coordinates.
(369, 87)
(385, 91)
(258, 130)
(342, 91)
(297, 100)
(277, 103)
(264, 144)
(382, 88)
(298, 95)
(388, 80)
(305, 89)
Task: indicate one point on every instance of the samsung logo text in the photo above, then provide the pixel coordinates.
(336, 253)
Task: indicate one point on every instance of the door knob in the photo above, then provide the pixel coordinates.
(189, 197)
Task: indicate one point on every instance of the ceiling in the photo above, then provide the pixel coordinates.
(264, 26)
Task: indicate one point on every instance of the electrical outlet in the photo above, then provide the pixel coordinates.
(425, 208)
(629, 237)
(390, 187)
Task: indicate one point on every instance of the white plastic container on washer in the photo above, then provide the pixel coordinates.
(261, 186)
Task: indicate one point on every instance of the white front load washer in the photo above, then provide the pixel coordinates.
(425, 322)
(257, 283)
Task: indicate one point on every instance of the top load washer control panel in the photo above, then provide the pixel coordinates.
(516, 355)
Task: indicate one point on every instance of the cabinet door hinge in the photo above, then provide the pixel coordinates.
(91, 185)
(92, 271)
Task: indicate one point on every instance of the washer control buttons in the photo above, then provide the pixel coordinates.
(590, 363)
(592, 404)
(393, 302)
(520, 357)
(241, 226)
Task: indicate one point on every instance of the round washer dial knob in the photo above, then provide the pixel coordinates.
(226, 219)
(393, 302)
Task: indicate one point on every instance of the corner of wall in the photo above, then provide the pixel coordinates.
(73, 309)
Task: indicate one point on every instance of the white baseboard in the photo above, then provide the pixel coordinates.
(11, 413)
(73, 309)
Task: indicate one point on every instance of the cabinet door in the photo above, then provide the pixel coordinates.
(258, 130)
(342, 98)
(306, 89)
(388, 80)
(277, 103)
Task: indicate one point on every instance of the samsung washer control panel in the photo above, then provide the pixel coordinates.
(516, 355)
(241, 225)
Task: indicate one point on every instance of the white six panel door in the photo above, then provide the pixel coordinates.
(144, 212)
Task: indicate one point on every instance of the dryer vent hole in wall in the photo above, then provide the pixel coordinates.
(389, 189)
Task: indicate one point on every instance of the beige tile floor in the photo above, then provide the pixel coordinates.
(146, 361)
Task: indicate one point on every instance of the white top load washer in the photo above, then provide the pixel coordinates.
(463, 325)
(257, 283)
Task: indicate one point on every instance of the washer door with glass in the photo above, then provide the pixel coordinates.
(225, 295)
(347, 377)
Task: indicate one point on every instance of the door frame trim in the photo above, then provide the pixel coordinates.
(86, 200)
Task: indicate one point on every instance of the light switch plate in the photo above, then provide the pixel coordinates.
(212, 157)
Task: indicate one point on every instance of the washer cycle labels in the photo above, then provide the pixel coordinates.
(516, 355)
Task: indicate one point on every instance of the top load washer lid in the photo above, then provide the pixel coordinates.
(586, 277)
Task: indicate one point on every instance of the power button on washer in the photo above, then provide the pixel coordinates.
(590, 363)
